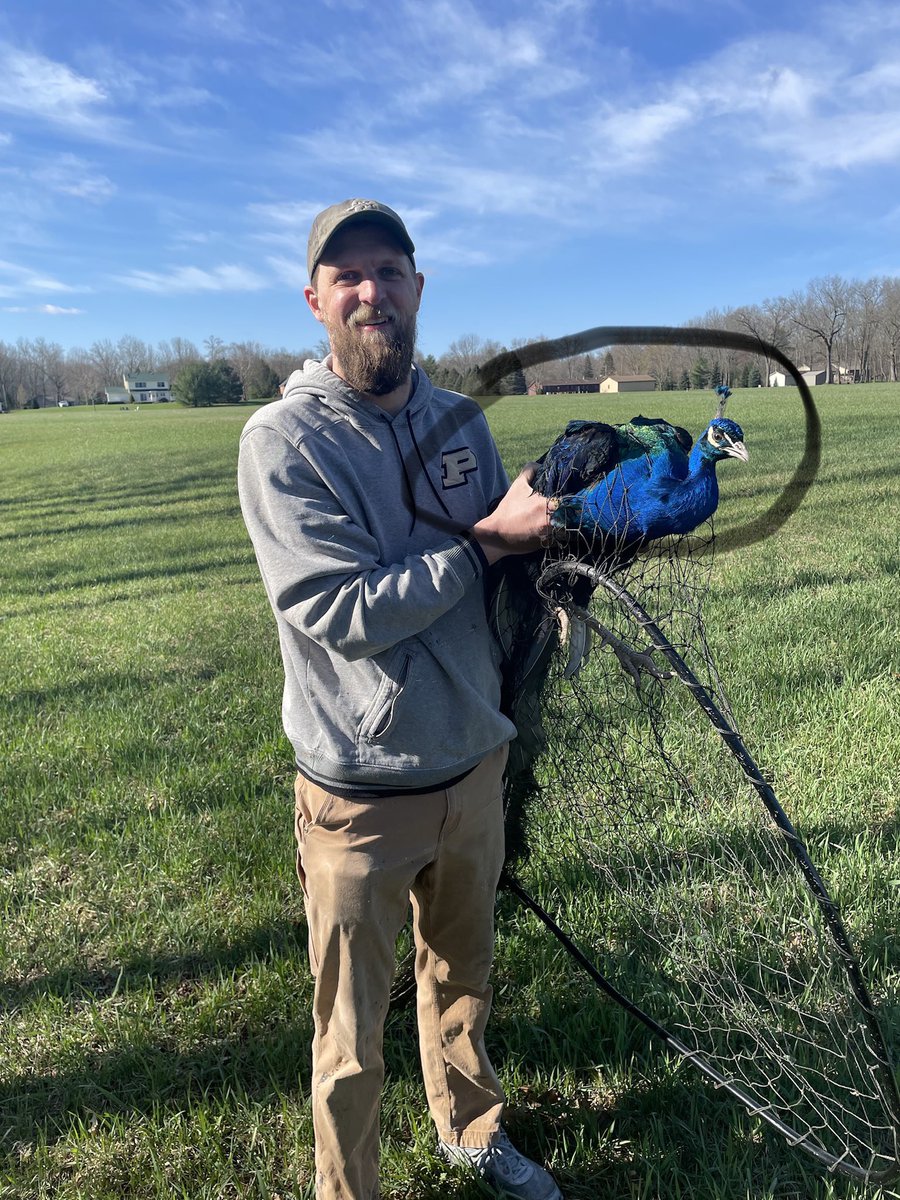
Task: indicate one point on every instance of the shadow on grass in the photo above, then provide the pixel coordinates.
(162, 570)
(129, 522)
(267, 1055)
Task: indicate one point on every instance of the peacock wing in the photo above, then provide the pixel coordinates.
(583, 453)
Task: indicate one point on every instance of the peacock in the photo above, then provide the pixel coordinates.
(612, 490)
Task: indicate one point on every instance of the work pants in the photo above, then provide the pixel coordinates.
(360, 863)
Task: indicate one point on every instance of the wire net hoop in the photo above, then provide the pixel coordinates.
(641, 826)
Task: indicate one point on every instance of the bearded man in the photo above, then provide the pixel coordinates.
(375, 502)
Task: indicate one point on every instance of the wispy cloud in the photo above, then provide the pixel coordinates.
(73, 176)
(49, 310)
(45, 90)
(225, 278)
(16, 279)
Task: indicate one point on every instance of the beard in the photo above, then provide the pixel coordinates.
(375, 363)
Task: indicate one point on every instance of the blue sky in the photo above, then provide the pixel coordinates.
(560, 163)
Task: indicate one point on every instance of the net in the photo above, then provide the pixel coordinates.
(639, 825)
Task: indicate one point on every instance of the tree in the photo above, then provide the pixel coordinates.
(174, 354)
(587, 368)
(467, 354)
(609, 363)
(203, 384)
(684, 384)
(822, 312)
(215, 347)
(514, 384)
(261, 382)
(754, 378)
(700, 372)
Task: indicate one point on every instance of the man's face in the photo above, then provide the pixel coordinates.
(366, 294)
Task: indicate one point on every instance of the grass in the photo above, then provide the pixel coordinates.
(152, 965)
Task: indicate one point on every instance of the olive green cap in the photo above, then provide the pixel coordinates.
(330, 220)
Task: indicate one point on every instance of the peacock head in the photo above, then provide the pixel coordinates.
(723, 439)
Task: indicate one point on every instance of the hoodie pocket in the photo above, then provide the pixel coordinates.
(382, 713)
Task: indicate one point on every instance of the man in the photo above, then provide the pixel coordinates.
(375, 503)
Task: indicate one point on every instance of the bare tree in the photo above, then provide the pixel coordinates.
(135, 356)
(822, 312)
(770, 321)
(215, 347)
(176, 353)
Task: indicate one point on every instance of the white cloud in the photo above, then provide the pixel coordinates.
(73, 176)
(15, 279)
(52, 310)
(224, 278)
(40, 88)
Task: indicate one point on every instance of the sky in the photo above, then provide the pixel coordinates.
(560, 164)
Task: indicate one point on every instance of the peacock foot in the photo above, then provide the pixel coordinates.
(575, 635)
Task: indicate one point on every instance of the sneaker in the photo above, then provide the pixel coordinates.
(502, 1166)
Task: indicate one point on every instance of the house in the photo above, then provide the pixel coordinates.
(812, 376)
(559, 387)
(117, 395)
(628, 383)
(152, 387)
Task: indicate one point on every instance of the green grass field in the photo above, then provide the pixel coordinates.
(153, 980)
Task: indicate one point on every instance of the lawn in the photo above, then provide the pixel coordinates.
(153, 979)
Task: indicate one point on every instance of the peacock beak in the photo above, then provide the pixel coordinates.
(735, 449)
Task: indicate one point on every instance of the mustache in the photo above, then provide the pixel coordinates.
(365, 314)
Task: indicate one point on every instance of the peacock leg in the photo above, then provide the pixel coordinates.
(576, 635)
(632, 661)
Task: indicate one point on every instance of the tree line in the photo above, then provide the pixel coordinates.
(36, 371)
(848, 328)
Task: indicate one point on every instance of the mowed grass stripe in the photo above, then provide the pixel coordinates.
(152, 966)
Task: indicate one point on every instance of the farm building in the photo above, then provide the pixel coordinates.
(811, 375)
(628, 383)
(558, 387)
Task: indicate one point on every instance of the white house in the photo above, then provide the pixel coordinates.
(149, 388)
(117, 395)
(812, 376)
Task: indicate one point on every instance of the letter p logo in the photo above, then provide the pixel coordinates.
(456, 465)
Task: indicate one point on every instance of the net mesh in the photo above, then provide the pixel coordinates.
(635, 828)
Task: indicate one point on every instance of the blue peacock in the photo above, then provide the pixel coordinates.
(613, 490)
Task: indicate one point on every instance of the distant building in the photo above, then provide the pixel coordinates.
(812, 376)
(117, 395)
(628, 383)
(560, 387)
(149, 388)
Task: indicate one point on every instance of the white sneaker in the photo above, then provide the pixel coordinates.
(502, 1166)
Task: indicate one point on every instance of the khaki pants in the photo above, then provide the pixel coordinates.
(360, 864)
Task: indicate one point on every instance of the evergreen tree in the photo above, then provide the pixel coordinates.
(715, 374)
(205, 383)
(754, 377)
(514, 384)
(684, 384)
(700, 372)
(587, 368)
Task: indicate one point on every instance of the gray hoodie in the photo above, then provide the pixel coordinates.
(358, 520)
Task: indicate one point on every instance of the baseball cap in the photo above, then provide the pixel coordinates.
(330, 220)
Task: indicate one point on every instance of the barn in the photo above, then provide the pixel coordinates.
(628, 383)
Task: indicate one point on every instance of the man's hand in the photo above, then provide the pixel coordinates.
(519, 524)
